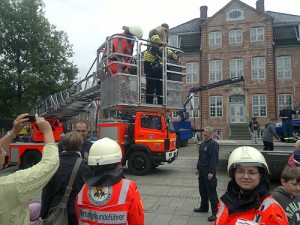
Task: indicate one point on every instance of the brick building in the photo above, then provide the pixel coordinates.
(240, 40)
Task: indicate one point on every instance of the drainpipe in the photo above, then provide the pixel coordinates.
(200, 79)
(275, 86)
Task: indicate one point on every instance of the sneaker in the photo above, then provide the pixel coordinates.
(211, 218)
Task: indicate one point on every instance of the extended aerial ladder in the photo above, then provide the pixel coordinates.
(72, 101)
(109, 89)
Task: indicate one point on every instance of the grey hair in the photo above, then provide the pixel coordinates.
(211, 129)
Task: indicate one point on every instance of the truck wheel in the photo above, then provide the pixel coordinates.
(139, 163)
(30, 158)
(184, 143)
(296, 134)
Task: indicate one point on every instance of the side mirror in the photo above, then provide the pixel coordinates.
(159, 127)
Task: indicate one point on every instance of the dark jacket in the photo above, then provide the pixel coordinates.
(269, 132)
(287, 113)
(54, 190)
(84, 151)
(208, 155)
(290, 205)
(254, 125)
(238, 201)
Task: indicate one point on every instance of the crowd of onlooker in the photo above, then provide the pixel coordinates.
(99, 185)
(100, 188)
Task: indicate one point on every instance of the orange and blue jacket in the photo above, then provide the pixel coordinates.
(117, 204)
(269, 213)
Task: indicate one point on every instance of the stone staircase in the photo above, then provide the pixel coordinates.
(239, 131)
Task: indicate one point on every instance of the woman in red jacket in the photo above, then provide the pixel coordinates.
(247, 199)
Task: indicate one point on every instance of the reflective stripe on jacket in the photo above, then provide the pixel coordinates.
(269, 213)
(157, 37)
(118, 204)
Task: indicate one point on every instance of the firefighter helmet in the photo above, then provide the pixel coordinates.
(103, 152)
(136, 31)
(246, 156)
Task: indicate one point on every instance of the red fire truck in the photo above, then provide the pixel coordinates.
(29, 152)
(146, 135)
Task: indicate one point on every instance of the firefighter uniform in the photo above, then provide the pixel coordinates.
(287, 123)
(116, 204)
(152, 63)
(121, 45)
(106, 197)
(119, 63)
(269, 212)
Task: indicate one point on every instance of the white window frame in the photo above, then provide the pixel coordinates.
(257, 34)
(259, 105)
(174, 41)
(192, 72)
(235, 14)
(258, 68)
(216, 106)
(285, 98)
(235, 36)
(284, 67)
(193, 111)
(215, 38)
(236, 67)
(215, 70)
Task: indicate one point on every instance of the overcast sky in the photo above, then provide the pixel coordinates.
(89, 22)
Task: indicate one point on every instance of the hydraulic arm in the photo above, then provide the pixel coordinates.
(194, 90)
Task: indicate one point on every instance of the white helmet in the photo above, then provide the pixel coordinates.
(103, 152)
(246, 156)
(136, 31)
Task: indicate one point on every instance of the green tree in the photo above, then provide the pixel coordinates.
(34, 57)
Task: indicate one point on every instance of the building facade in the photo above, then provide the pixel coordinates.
(239, 40)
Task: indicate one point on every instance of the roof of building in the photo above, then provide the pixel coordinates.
(283, 18)
(188, 27)
(285, 28)
(194, 24)
(285, 31)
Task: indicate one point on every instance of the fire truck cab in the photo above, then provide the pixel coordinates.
(147, 140)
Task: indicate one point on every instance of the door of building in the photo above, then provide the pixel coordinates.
(237, 109)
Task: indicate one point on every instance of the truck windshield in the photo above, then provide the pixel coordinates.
(151, 122)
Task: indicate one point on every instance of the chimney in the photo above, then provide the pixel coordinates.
(203, 12)
(260, 5)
